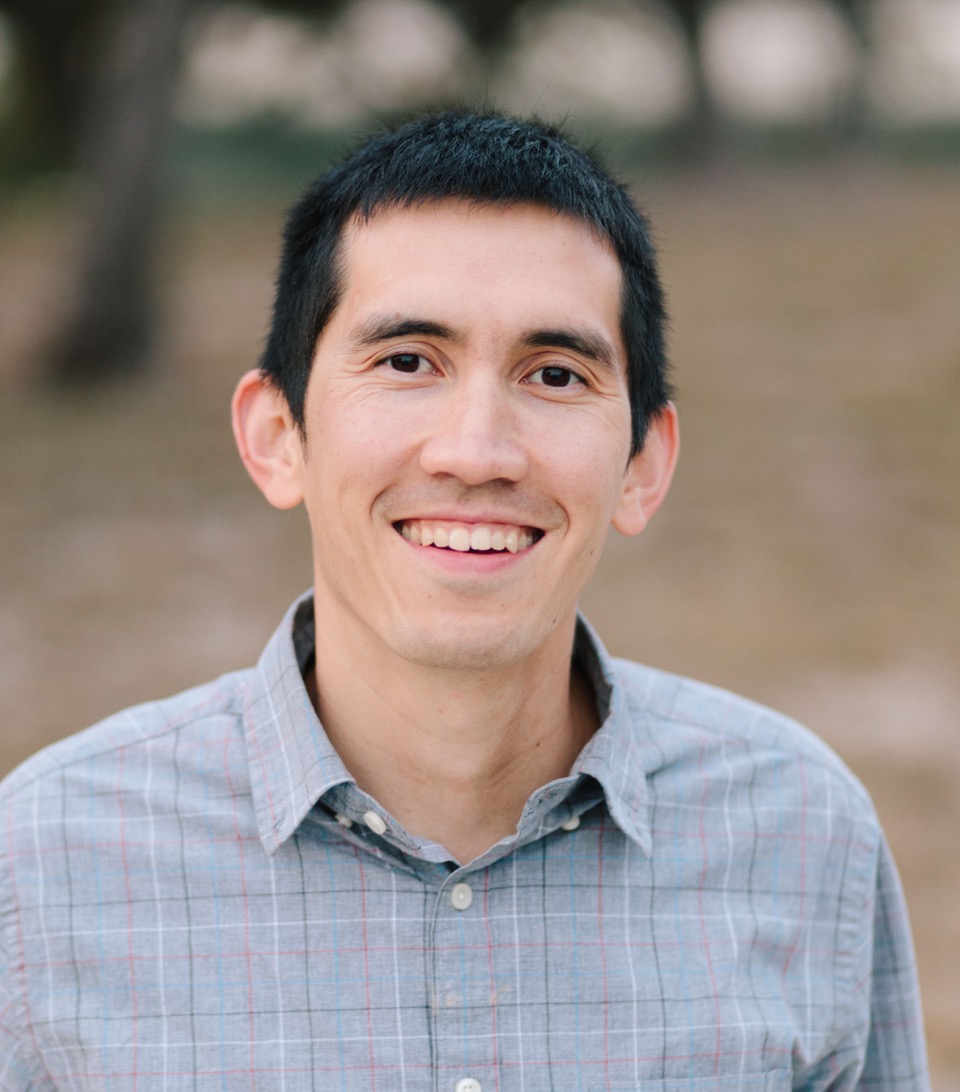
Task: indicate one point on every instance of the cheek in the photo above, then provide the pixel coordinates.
(593, 469)
(347, 443)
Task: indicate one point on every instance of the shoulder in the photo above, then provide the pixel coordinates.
(130, 748)
(753, 798)
(704, 733)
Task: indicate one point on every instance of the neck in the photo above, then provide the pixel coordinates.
(453, 755)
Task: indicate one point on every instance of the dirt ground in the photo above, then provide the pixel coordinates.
(808, 556)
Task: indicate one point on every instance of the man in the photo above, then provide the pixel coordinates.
(438, 839)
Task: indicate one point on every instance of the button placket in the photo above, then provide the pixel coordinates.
(460, 929)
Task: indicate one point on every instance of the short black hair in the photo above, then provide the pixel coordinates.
(485, 158)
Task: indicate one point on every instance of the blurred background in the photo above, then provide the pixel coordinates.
(800, 161)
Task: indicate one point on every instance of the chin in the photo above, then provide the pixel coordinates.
(468, 647)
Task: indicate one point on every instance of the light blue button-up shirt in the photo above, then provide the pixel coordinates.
(195, 894)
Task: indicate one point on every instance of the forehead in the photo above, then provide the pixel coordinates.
(478, 259)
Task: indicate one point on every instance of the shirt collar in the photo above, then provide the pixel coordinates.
(617, 755)
(293, 764)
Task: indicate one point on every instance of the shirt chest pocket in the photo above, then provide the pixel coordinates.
(776, 1080)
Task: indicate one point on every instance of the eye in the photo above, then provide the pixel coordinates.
(407, 363)
(555, 376)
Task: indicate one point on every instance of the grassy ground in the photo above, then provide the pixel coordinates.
(808, 556)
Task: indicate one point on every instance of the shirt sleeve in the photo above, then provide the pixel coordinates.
(14, 1075)
(896, 1057)
(879, 1044)
(16, 1071)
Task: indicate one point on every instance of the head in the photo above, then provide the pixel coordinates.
(486, 159)
(464, 386)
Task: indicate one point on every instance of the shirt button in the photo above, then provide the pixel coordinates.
(343, 821)
(460, 898)
(570, 824)
(375, 822)
(467, 1084)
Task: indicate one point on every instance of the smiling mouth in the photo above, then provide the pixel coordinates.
(485, 538)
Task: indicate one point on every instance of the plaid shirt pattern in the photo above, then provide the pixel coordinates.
(196, 895)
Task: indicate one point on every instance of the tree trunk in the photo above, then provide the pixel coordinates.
(698, 135)
(37, 129)
(851, 118)
(109, 322)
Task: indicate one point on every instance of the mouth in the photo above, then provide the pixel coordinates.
(475, 538)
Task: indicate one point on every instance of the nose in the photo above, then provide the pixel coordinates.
(476, 437)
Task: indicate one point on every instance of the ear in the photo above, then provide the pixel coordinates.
(268, 440)
(648, 474)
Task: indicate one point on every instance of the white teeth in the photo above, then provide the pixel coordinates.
(480, 538)
(460, 539)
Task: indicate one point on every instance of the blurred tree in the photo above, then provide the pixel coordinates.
(852, 115)
(488, 23)
(93, 82)
(699, 137)
(108, 320)
(97, 81)
(51, 78)
(489, 26)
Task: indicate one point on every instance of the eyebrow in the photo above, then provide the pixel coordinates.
(385, 328)
(583, 342)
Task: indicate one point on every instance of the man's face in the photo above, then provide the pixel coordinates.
(468, 432)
